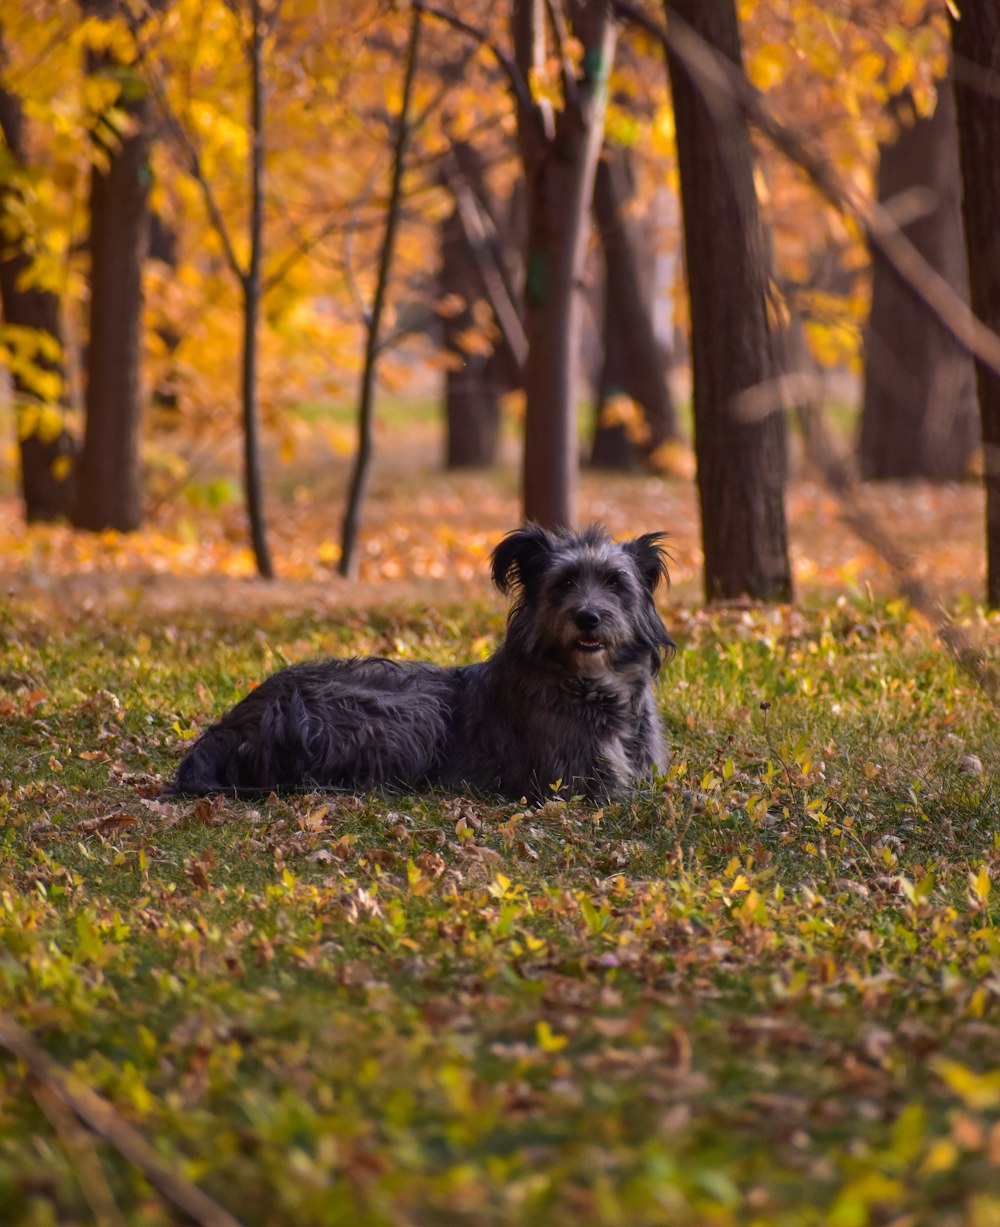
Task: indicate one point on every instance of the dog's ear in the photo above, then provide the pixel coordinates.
(650, 557)
(520, 557)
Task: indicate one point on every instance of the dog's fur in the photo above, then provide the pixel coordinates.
(564, 706)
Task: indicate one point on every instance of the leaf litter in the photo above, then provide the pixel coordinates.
(764, 991)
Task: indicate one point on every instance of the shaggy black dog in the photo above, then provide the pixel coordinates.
(563, 707)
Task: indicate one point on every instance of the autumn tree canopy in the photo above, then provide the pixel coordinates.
(498, 92)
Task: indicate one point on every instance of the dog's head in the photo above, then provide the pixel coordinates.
(583, 598)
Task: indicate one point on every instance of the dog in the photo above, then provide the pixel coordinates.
(563, 708)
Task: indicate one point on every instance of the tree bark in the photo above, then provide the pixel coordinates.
(109, 483)
(474, 270)
(362, 461)
(252, 475)
(634, 361)
(560, 155)
(472, 398)
(741, 460)
(46, 477)
(976, 45)
(920, 416)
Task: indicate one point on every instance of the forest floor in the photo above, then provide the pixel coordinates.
(765, 991)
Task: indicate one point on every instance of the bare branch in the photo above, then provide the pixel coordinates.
(558, 21)
(99, 1115)
(189, 152)
(510, 68)
(473, 225)
(79, 1147)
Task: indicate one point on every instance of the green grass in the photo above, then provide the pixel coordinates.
(765, 992)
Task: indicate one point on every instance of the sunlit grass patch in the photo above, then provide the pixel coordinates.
(764, 991)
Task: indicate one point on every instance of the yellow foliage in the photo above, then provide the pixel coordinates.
(474, 341)
(622, 410)
(512, 404)
(673, 458)
(99, 92)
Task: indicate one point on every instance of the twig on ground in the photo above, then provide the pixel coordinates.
(57, 1084)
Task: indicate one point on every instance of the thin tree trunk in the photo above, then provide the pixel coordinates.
(253, 480)
(47, 479)
(920, 416)
(633, 358)
(560, 163)
(741, 460)
(109, 483)
(362, 462)
(976, 44)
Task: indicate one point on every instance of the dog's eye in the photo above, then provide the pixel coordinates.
(614, 580)
(566, 583)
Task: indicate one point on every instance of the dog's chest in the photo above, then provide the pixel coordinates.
(599, 701)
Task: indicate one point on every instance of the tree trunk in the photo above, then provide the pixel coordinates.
(741, 459)
(920, 416)
(976, 45)
(474, 270)
(472, 401)
(560, 155)
(366, 400)
(633, 358)
(46, 454)
(252, 475)
(109, 483)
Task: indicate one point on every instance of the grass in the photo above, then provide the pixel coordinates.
(764, 992)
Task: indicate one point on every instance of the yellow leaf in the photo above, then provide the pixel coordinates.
(472, 341)
(50, 424)
(621, 410)
(980, 1092)
(548, 1041)
(980, 884)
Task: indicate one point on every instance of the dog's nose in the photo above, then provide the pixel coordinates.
(587, 619)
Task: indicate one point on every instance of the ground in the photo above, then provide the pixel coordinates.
(764, 991)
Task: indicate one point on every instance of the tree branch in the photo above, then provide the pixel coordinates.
(510, 68)
(470, 216)
(189, 151)
(733, 94)
(99, 1115)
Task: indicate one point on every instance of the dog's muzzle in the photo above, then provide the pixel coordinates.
(587, 621)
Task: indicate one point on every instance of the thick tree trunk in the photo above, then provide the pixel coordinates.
(633, 358)
(474, 271)
(560, 155)
(109, 484)
(976, 44)
(741, 459)
(920, 414)
(472, 400)
(47, 456)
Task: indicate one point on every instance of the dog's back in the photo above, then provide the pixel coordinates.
(358, 724)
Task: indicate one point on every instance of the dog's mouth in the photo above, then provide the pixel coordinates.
(590, 645)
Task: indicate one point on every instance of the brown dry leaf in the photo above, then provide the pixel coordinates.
(197, 868)
(431, 863)
(616, 1028)
(209, 809)
(107, 824)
